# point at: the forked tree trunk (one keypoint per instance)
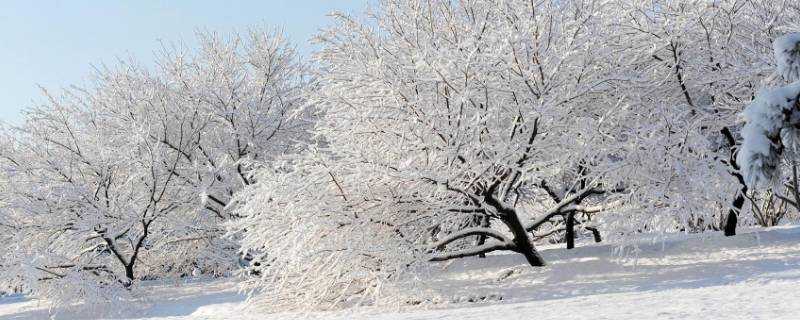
(129, 272)
(522, 242)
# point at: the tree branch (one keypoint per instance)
(484, 249)
(477, 231)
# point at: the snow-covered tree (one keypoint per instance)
(694, 65)
(448, 130)
(80, 211)
(243, 95)
(441, 130)
(455, 129)
(130, 178)
(772, 130)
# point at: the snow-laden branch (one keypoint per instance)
(474, 251)
(477, 231)
(559, 208)
(772, 122)
(592, 208)
(787, 55)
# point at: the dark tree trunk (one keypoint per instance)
(522, 242)
(731, 220)
(129, 272)
(729, 224)
(570, 229)
(595, 233)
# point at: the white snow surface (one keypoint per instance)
(754, 275)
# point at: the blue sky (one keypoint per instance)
(54, 43)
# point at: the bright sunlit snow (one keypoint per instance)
(683, 277)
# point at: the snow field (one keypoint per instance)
(755, 275)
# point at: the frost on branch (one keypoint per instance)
(315, 242)
(772, 120)
(787, 55)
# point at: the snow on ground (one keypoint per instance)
(754, 275)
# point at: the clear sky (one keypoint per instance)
(53, 43)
